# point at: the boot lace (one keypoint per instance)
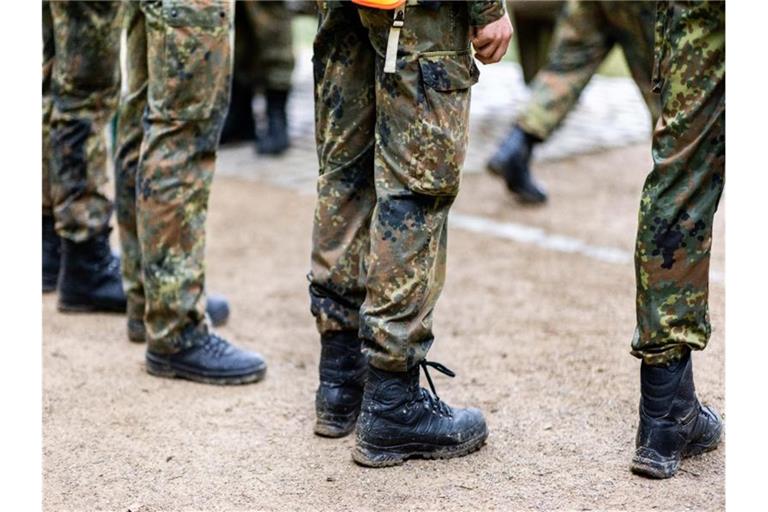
(433, 399)
(215, 344)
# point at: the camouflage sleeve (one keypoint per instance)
(483, 13)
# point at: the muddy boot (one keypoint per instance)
(673, 424)
(400, 420)
(512, 162)
(216, 306)
(51, 254)
(209, 359)
(90, 277)
(240, 125)
(342, 377)
(275, 141)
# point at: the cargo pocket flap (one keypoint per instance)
(448, 72)
(194, 14)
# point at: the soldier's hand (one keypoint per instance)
(491, 41)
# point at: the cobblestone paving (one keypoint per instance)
(610, 114)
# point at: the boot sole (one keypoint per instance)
(372, 456)
(659, 469)
(160, 368)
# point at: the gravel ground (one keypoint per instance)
(539, 339)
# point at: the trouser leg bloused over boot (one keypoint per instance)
(681, 194)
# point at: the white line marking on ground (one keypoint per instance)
(520, 233)
(536, 236)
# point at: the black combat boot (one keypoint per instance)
(342, 377)
(276, 140)
(90, 278)
(216, 306)
(673, 424)
(51, 254)
(400, 420)
(209, 359)
(512, 162)
(240, 125)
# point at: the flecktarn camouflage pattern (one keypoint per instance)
(390, 147)
(682, 192)
(179, 72)
(81, 82)
(585, 33)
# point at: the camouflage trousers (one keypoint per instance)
(81, 85)
(585, 32)
(178, 78)
(682, 191)
(390, 148)
(263, 45)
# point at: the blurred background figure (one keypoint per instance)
(534, 22)
(264, 61)
(81, 82)
(585, 33)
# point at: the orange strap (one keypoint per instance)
(380, 4)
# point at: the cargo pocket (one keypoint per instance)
(191, 69)
(441, 130)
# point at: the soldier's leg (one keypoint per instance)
(272, 22)
(189, 66)
(422, 112)
(129, 134)
(133, 104)
(534, 25)
(421, 127)
(85, 88)
(674, 238)
(632, 23)
(48, 57)
(579, 45)
(345, 118)
(51, 241)
(240, 124)
(274, 45)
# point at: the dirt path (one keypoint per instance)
(539, 339)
